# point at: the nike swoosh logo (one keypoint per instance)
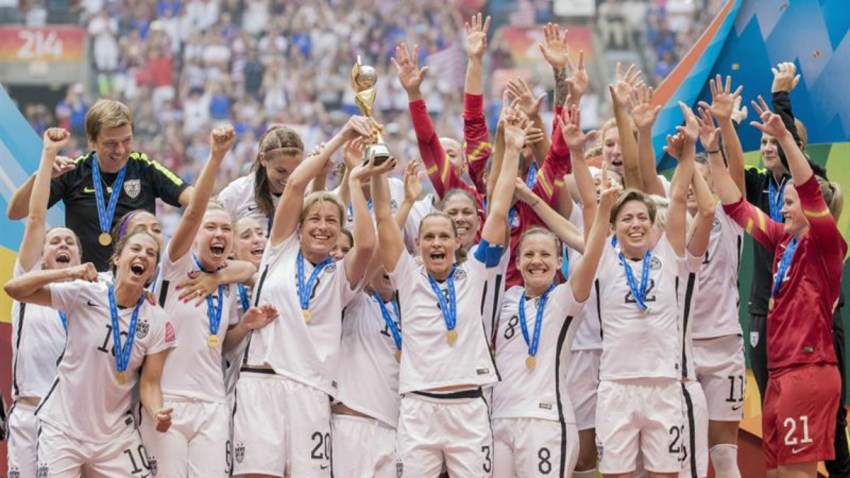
(735, 409)
(90, 303)
(88, 190)
(794, 451)
(324, 467)
(252, 208)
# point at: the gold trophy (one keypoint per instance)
(363, 81)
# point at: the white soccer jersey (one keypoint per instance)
(429, 361)
(238, 199)
(193, 369)
(232, 360)
(538, 392)
(588, 336)
(420, 209)
(85, 401)
(38, 339)
(368, 372)
(494, 292)
(716, 306)
(302, 351)
(396, 198)
(635, 345)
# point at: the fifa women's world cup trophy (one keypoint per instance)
(363, 81)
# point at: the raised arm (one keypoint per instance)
(620, 91)
(564, 229)
(772, 125)
(496, 225)
(357, 260)
(531, 107)
(499, 150)
(682, 147)
(289, 207)
(475, 135)
(32, 243)
(412, 191)
(723, 101)
(32, 287)
(389, 234)
(785, 79)
(221, 140)
(19, 203)
(575, 139)
(583, 273)
(644, 114)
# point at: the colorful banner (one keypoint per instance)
(21, 44)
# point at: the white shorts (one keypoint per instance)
(720, 369)
(363, 447)
(695, 464)
(458, 429)
(61, 456)
(22, 438)
(640, 415)
(280, 428)
(194, 446)
(533, 447)
(582, 380)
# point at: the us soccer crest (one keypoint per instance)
(655, 263)
(715, 225)
(754, 338)
(459, 274)
(142, 329)
(152, 465)
(42, 470)
(132, 188)
(14, 473)
(330, 268)
(239, 452)
(399, 469)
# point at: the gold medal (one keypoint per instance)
(531, 362)
(212, 341)
(770, 304)
(307, 315)
(451, 337)
(398, 356)
(104, 239)
(121, 378)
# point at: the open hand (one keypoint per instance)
(476, 36)
(407, 67)
(258, 317)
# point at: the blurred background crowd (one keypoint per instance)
(185, 66)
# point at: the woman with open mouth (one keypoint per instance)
(192, 382)
(282, 417)
(641, 398)
(38, 333)
(116, 339)
(446, 358)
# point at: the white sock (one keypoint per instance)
(584, 474)
(724, 457)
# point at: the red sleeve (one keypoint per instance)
(440, 173)
(550, 177)
(762, 228)
(476, 139)
(822, 226)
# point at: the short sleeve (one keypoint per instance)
(175, 270)
(65, 295)
(162, 336)
(58, 186)
(228, 197)
(565, 301)
(167, 184)
(273, 253)
(690, 263)
(405, 268)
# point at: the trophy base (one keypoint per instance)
(380, 152)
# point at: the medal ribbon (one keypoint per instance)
(106, 214)
(122, 354)
(449, 309)
(775, 198)
(639, 295)
(243, 297)
(388, 318)
(305, 290)
(565, 261)
(351, 209)
(64, 319)
(213, 311)
(784, 264)
(538, 320)
(529, 181)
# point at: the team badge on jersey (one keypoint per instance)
(142, 329)
(460, 274)
(399, 469)
(152, 466)
(715, 225)
(239, 452)
(133, 187)
(42, 470)
(14, 473)
(330, 268)
(754, 338)
(655, 264)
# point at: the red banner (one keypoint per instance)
(20, 44)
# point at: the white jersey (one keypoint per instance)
(303, 351)
(715, 312)
(429, 361)
(85, 401)
(588, 336)
(538, 392)
(193, 369)
(493, 295)
(634, 345)
(38, 339)
(368, 372)
(232, 360)
(420, 209)
(238, 199)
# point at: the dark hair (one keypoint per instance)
(278, 140)
(455, 192)
(633, 195)
(73, 233)
(460, 252)
(119, 230)
(345, 232)
(119, 248)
